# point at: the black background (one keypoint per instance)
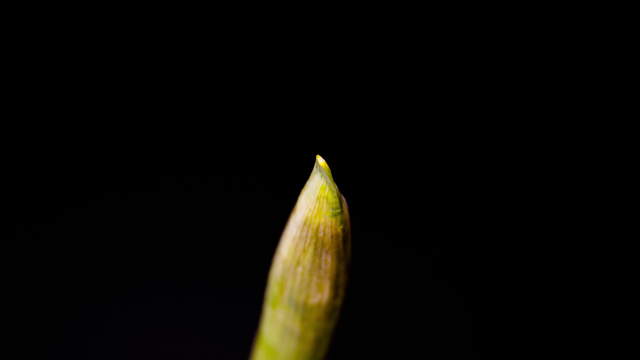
(145, 197)
(129, 257)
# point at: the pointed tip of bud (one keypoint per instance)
(321, 162)
(322, 165)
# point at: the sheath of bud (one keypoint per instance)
(308, 275)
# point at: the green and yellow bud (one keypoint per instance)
(308, 275)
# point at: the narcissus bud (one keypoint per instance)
(307, 280)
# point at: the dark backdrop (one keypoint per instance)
(133, 255)
(154, 240)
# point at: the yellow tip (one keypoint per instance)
(321, 161)
(323, 167)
